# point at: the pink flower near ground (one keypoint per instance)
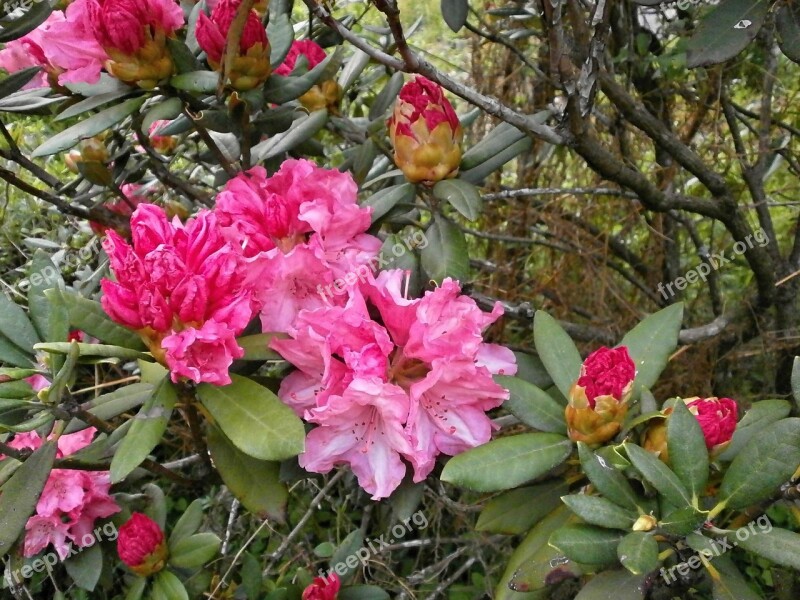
(72, 500)
(184, 288)
(308, 224)
(313, 52)
(323, 588)
(388, 380)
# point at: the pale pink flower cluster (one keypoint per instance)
(72, 44)
(388, 378)
(305, 224)
(71, 502)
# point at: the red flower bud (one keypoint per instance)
(141, 545)
(309, 48)
(598, 401)
(425, 132)
(717, 418)
(323, 588)
(251, 67)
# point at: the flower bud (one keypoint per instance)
(425, 133)
(134, 35)
(645, 523)
(655, 437)
(251, 66)
(165, 144)
(326, 94)
(93, 149)
(323, 588)
(141, 545)
(598, 401)
(717, 418)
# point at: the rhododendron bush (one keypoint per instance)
(280, 350)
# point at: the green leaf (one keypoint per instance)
(766, 462)
(599, 511)
(349, 546)
(496, 141)
(89, 316)
(688, 454)
(113, 404)
(194, 551)
(166, 586)
(659, 475)
(587, 544)
(386, 97)
(557, 351)
(87, 128)
(188, 524)
(386, 199)
(728, 583)
(146, 432)
(11, 354)
(280, 35)
(196, 81)
(455, 13)
(446, 254)
(762, 414)
(91, 103)
(166, 110)
(787, 24)
(614, 584)
(530, 564)
(33, 17)
(85, 567)
(516, 511)
(89, 350)
(301, 129)
(638, 552)
(16, 81)
(21, 493)
(507, 462)
(283, 89)
(682, 521)
(254, 482)
(15, 326)
(651, 343)
(49, 317)
(796, 380)
(462, 196)
(725, 31)
(256, 347)
(254, 419)
(608, 481)
(533, 406)
(136, 591)
(477, 174)
(781, 546)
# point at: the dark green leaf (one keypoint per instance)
(599, 511)
(608, 481)
(15, 326)
(302, 129)
(146, 432)
(455, 13)
(557, 351)
(614, 584)
(196, 81)
(254, 482)
(762, 414)
(687, 449)
(85, 567)
(386, 97)
(89, 127)
(659, 475)
(167, 586)
(462, 196)
(533, 406)
(16, 81)
(516, 511)
(254, 419)
(87, 315)
(446, 254)
(507, 462)
(21, 493)
(766, 462)
(386, 199)
(194, 551)
(726, 31)
(587, 544)
(781, 546)
(787, 22)
(638, 552)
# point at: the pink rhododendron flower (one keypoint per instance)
(323, 588)
(388, 379)
(306, 221)
(125, 25)
(213, 31)
(184, 288)
(71, 502)
(312, 51)
(717, 418)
